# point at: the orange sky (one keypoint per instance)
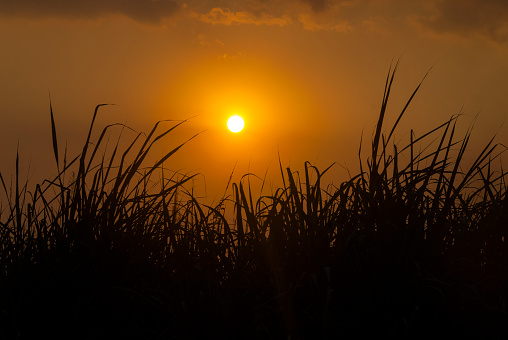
(306, 75)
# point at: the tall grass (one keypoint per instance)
(413, 244)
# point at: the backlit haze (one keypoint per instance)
(307, 77)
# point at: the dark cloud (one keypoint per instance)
(317, 5)
(141, 10)
(468, 17)
(488, 18)
(271, 7)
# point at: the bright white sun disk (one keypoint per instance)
(235, 123)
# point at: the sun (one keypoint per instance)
(235, 123)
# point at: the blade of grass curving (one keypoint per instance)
(47, 205)
(99, 141)
(122, 178)
(387, 160)
(487, 183)
(442, 173)
(360, 161)
(455, 171)
(169, 219)
(149, 142)
(263, 182)
(80, 187)
(249, 213)
(396, 186)
(166, 191)
(92, 201)
(53, 134)
(294, 194)
(425, 135)
(239, 220)
(405, 107)
(17, 206)
(110, 165)
(143, 153)
(169, 154)
(281, 171)
(436, 153)
(308, 188)
(250, 196)
(5, 190)
(346, 186)
(477, 164)
(317, 187)
(375, 142)
(51, 183)
(202, 216)
(418, 159)
(121, 174)
(85, 147)
(412, 160)
(229, 180)
(227, 229)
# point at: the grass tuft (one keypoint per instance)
(115, 246)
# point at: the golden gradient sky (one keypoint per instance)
(307, 75)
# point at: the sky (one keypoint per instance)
(306, 75)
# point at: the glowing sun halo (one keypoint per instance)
(235, 123)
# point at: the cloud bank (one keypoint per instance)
(140, 10)
(487, 18)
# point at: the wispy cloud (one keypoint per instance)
(220, 16)
(310, 23)
(314, 15)
(231, 57)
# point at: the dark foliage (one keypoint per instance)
(411, 249)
